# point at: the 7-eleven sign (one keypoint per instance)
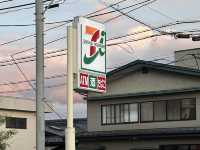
(91, 55)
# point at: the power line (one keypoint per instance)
(31, 60)
(88, 15)
(161, 13)
(24, 59)
(33, 56)
(5, 1)
(159, 27)
(30, 84)
(22, 73)
(31, 35)
(45, 44)
(33, 80)
(136, 19)
(22, 5)
(16, 10)
(29, 89)
(92, 13)
(147, 2)
(135, 40)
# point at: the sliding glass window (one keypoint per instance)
(119, 113)
(168, 110)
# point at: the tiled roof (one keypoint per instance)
(135, 65)
(141, 133)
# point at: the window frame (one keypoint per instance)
(139, 112)
(121, 105)
(168, 100)
(16, 126)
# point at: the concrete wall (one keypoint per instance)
(25, 139)
(185, 59)
(94, 114)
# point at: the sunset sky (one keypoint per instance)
(158, 13)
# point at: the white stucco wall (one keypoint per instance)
(25, 139)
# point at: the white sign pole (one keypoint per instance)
(70, 131)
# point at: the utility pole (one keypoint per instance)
(40, 124)
(70, 131)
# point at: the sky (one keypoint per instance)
(158, 13)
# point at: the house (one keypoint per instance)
(55, 135)
(147, 106)
(20, 116)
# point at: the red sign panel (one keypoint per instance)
(93, 82)
(101, 83)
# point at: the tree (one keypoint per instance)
(5, 135)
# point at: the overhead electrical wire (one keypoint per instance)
(135, 40)
(28, 58)
(30, 84)
(5, 1)
(92, 13)
(89, 15)
(144, 3)
(29, 89)
(33, 59)
(16, 10)
(161, 13)
(18, 65)
(113, 38)
(31, 35)
(136, 19)
(22, 5)
(33, 80)
(32, 56)
(158, 27)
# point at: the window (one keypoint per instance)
(173, 110)
(16, 123)
(108, 117)
(112, 115)
(168, 110)
(160, 111)
(188, 109)
(126, 113)
(147, 111)
(133, 112)
(104, 114)
(119, 113)
(155, 111)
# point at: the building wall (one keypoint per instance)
(25, 139)
(137, 82)
(94, 114)
(154, 80)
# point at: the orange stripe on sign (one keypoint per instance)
(90, 30)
